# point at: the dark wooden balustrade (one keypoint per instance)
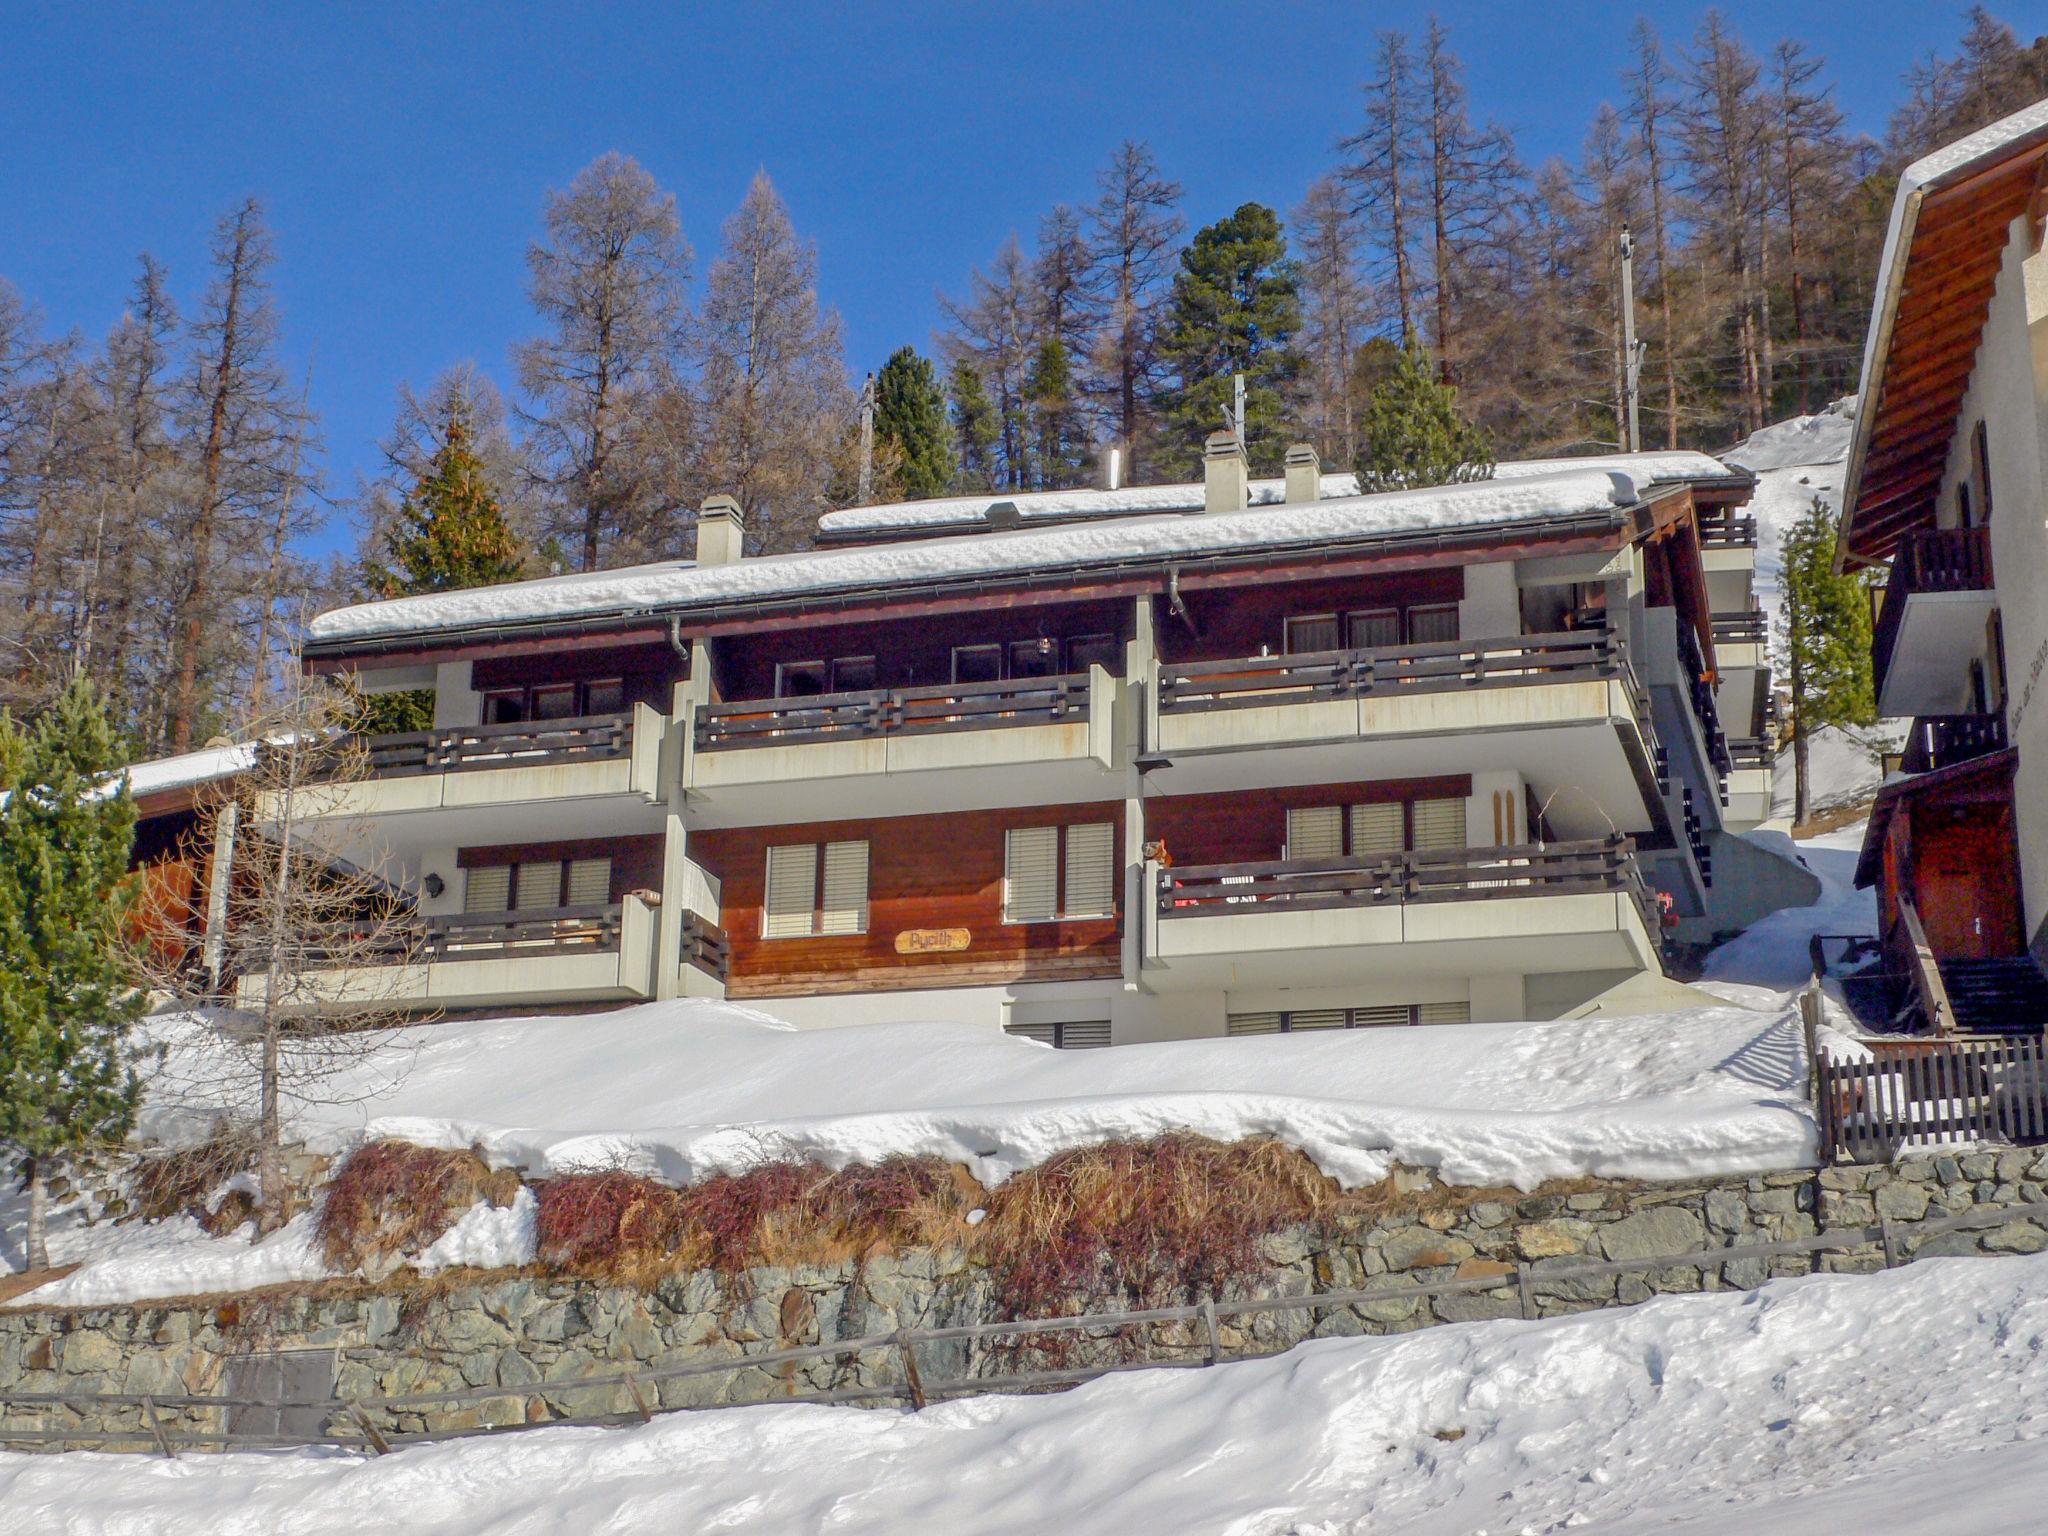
(705, 945)
(1932, 560)
(1749, 627)
(1941, 741)
(892, 711)
(1725, 530)
(524, 744)
(480, 936)
(1422, 875)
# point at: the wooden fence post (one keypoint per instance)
(1524, 1291)
(913, 1380)
(370, 1431)
(1209, 1323)
(156, 1429)
(639, 1399)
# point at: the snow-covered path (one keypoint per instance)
(1773, 953)
(1908, 1402)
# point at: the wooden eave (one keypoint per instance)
(1979, 778)
(1954, 248)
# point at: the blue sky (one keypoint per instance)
(404, 150)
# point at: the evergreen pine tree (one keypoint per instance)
(1414, 435)
(910, 411)
(67, 998)
(975, 427)
(1059, 438)
(450, 533)
(1234, 308)
(1825, 628)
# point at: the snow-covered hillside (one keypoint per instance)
(1907, 1403)
(1794, 461)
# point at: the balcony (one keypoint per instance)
(1456, 912)
(1942, 741)
(541, 955)
(1561, 709)
(1747, 799)
(1724, 529)
(1739, 638)
(900, 751)
(495, 766)
(1931, 624)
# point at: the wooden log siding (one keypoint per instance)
(1932, 1093)
(883, 711)
(525, 744)
(1420, 875)
(1441, 667)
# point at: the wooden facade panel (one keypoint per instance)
(925, 874)
(1241, 828)
(1238, 620)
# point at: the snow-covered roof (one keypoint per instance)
(190, 769)
(1656, 467)
(676, 587)
(1127, 501)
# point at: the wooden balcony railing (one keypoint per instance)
(1941, 741)
(1700, 691)
(887, 711)
(526, 744)
(1746, 628)
(1444, 666)
(705, 945)
(483, 935)
(1452, 874)
(1750, 752)
(1932, 560)
(1724, 530)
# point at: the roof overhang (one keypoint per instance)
(1950, 225)
(1990, 775)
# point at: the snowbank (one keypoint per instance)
(177, 1258)
(1906, 1402)
(1793, 461)
(685, 1089)
(1773, 953)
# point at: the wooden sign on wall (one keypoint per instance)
(932, 941)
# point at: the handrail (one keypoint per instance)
(1727, 532)
(472, 935)
(1941, 741)
(881, 711)
(1927, 984)
(457, 748)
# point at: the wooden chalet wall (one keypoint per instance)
(924, 872)
(1251, 826)
(170, 865)
(1236, 620)
(907, 651)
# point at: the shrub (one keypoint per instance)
(393, 1197)
(166, 1184)
(612, 1225)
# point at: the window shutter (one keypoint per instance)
(487, 889)
(1317, 632)
(1252, 1024)
(1439, 823)
(537, 885)
(1315, 832)
(1031, 862)
(1091, 871)
(1433, 625)
(1444, 1013)
(1373, 628)
(791, 899)
(1043, 1033)
(1315, 1018)
(846, 889)
(1376, 829)
(590, 882)
(1380, 1017)
(1083, 1035)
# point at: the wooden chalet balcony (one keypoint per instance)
(1727, 530)
(902, 750)
(1559, 708)
(1749, 628)
(1942, 741)
(1533, 909)
(1932, 619)
(485, 766)
(538, 955)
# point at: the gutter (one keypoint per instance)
(834, 601)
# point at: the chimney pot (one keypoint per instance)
(1304, 474)
(721, 531)
(1226, 479)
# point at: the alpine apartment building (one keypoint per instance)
(1096, 766)
(1948, 485)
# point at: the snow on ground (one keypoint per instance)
(1907, 1402)
(1793, 461)
(176, 1258)
(1844, 766)
(1773, 953)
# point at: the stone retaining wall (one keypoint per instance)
(533, 1335)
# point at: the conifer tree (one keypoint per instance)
(910, 412)
(1825, 629)
(1414, 435)
(1235, 308)
(67, 997)
(1059, 437)
(975, 427)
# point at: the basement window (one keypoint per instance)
(1077, 1035)
(301, 1379)
(1378, 1016)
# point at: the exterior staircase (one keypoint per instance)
(1997, 997)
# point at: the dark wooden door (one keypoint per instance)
(1968, 886)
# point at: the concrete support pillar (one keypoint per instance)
(456, 702)
(1492, 605)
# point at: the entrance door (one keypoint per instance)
(1968, 887)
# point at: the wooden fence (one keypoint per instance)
(353, 1424)
(1929, 1093)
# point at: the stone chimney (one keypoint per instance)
(1304, 475)
(1226, 479)
(721, 531)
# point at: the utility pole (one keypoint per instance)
(867, 440)
(1632, 350)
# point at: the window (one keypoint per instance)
(1980, 471)
(1374, 829)
(1055, 873)
(1034, 658)
(1315, 832)
(1085, 651)
(1437, 824)
(1379, 1016)
(815, 889)
(557, 701)
(1370, 628)
(554, 701)
(977, 663)
(604, 698)
(1079, 1035)
(1310, 633)
(854, 674)
(537, 884)
(1432, 625)
(588, 883)
(799, 679)
(487, 889)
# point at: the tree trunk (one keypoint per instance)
(37, 1245)
(1795, 647)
